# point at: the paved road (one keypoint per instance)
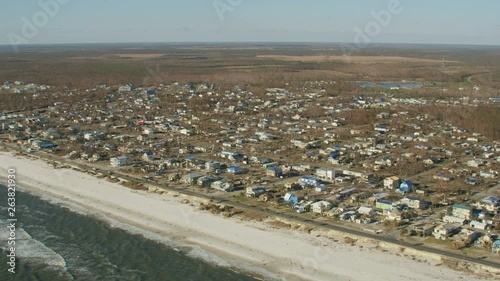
(268, 212)
(489, 192)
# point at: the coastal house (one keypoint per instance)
(405, 187)
(487, 175)
(320, 188)
(222, 185)
(475, 163)
(274, 172)
(443, 177)
(490, 204)
(495, 247)
(444, 231)
(302, 206)
(393, 215)
(384, 205)
(462, 211)
(321, 206)
(148, 156)
(452, 219)
(326, 174)
(478, 225)
(235, 170)
(290, 198)
(309, 181)
(126, 88)
(52, 134)
(206, 181)
(365, 211)
(391, 182)
(213, 166)
(412, 202)
(255, 191)
(119, 161)
(191, 178)
(423, 229)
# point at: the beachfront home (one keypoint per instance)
(302, 206)
(290, 198)
(222, 185)
(495, 247)
(119, 161)
(206, 181)
(445, 231)
(423, 229)
(255, 191)
(191, 178)
(321, 206)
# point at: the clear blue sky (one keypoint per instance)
(91, 21)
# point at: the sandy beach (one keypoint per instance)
(277, 254)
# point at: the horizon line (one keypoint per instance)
(252, 42)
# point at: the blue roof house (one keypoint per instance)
(495, 247)
(235, 170)
(309, 181)
(290, 198)
(405, 187)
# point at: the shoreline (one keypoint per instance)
(248, 246)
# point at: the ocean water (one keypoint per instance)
(55, 243)
(388, 85)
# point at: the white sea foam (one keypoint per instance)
(194, 251)
(32, 249)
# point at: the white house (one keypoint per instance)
(119, 161)
(326, 173)
(478, 225)
(451, 219)
(255, 191)
(392, 182)
(321, 206)
(365, 211)
(126, 88)
(444, 231)
(148, 156)
(412, 202)
(475, 163)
